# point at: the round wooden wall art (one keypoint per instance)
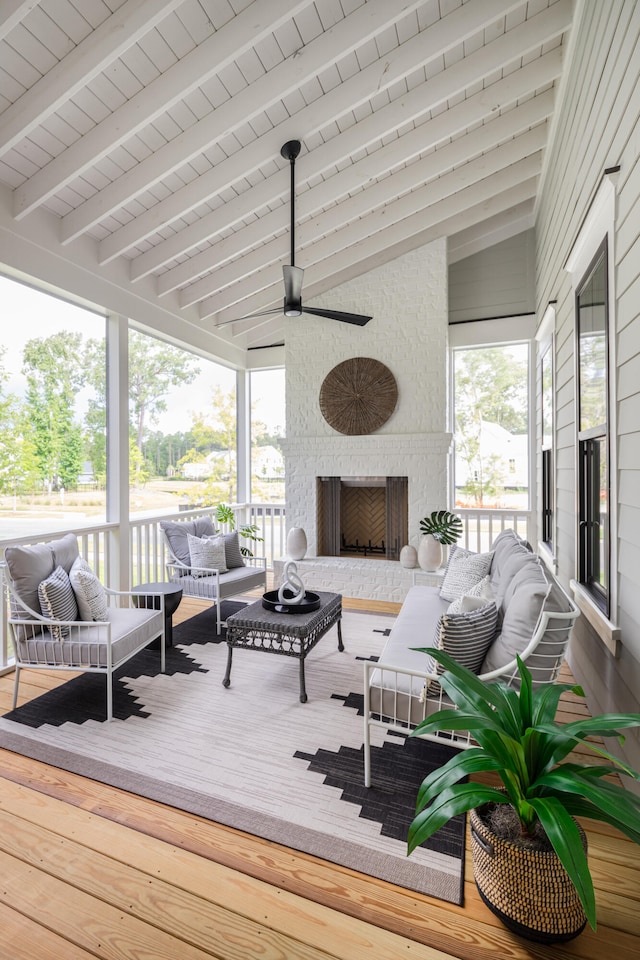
(358, 396)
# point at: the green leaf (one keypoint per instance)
(463, 764)
(455, 800)
(565, 838)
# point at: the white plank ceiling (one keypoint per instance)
(147, 134)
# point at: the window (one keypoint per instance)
(593, 429)
(267, 433)
(492, 427)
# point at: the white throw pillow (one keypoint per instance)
(464, 571)
(207, 554)
(466, 637)
(477, 597)
(90, 594)
(57, 601)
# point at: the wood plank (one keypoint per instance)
(21, 938)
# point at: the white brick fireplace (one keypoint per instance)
(408, 333)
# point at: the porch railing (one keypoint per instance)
(147, 555)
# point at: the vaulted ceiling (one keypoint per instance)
(143, 138)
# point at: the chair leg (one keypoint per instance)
(109, 695)
(15, 687)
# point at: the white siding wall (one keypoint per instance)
(597, 129)
(497, 282)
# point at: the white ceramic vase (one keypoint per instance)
(430, 553)
(409, 557)
(296, 543)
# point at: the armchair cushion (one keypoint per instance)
(177, 533)
(206, 554)
(90, 594)
(58, 601)
(28, 566)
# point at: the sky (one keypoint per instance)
(27, 313)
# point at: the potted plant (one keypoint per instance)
(439, 528)
(538, 881)
(225, 514)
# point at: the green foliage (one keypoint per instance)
(54, 377)
(250, 531)
(519, 739)
(443, 526)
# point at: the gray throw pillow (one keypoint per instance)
(464, 636)
(90, 594)
(232, 552)
(477, 596)
(58, 601)
(464, 570)
(206, 554)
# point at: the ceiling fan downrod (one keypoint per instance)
(290, 150)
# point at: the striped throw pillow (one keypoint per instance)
(464, 636)
(58, 601)
(90, 594)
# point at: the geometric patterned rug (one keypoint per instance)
(252, 756)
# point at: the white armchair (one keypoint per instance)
(213, 583)
(66, 636)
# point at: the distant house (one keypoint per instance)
(203, 469)
(501, 452)
(267, 463)
(87, 478)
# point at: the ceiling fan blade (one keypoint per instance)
(357, 318)
(292, 283)
(250, 316)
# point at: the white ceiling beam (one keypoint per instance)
(321, 53)
(424, 206)
(435, 165)
(389, 247)
(12, 12)
(105, 44)
(378, 76)
(358, 175)
(435, 92)
(232, 40)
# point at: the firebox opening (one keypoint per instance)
(362, 516)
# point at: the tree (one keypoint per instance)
(54, 376)
(490, 387)
(217, 431)
(154, 367)
(18, 467)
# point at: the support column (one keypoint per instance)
(118, 572)
(243, 435)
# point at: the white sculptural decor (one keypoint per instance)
(292, 583)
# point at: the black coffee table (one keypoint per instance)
(172, 597)
(287, 634)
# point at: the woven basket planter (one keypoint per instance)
(529, 890)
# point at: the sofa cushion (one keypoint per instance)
(527, 594)
(464, 570)
(206, 554)
(58, 601)
(177, 533)
(464, 636)
(90, 594)
(506, 546)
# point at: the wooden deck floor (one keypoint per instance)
(91, 872)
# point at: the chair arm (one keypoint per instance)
(256, 561)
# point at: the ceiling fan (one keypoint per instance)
(293, 275)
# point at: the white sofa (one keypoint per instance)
(529, 615)
(92, 630)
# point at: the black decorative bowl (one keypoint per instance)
(270, 602)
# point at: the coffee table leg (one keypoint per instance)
(340, 643)
(303, 690)
(227, 677)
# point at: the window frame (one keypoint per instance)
(591, 558)
(545, 337)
